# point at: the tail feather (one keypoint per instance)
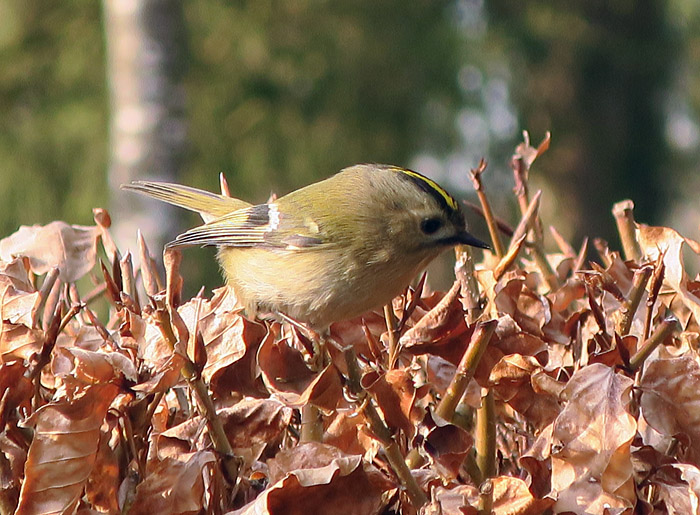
(208, 205)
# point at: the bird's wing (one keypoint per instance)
(254, 226)
(209, 205)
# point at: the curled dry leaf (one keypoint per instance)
(592, 466)
(448, 445)
(317, 478)
(160, 367)
(103, 483)
(70, 248)
(17, 341)
(670, 398)
(508, 339)
(347, 432)
(250, 424)
(396, 395)
(662, 241)
(285, 373)
(528, 309)
(513, 380)
(510, 496)
(442, 321)
(18, 306)
(174, 485)
(16, 389)
(230, 340)
(676, 488)
(62, 454)
(92, 366)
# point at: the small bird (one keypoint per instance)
(329, 251)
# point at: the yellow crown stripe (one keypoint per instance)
(433, 185)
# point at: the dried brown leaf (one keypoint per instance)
(593, 466)
(17, 341)
(509, 339)
(251, 425)
(512, 381)
(70, 248)
(437, 323)
(511, 496)
(396, 395)
(662, 241)
(17, 306)
(16, 390)
(670, 397)
(345, 431)
(230, 340)
(317, 478)
(62, 453)
(286, 374)
(92, 366)
(528, 309)
(455, 500)
(677, 488)
(103, 483)
(174, 486)
(448, 445)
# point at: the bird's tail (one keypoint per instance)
(208, 205)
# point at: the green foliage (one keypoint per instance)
(53, 126)
(283, 93)
(596, 74)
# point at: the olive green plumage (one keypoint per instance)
(328, 251)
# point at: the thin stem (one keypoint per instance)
(230, 461)
(486, 207)
(662, 331)
(486, 436)
(630, 305)
(311, 424)
(382, 432)
(392, 333)
(624, 218)
(465, 370)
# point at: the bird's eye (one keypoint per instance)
(430, 225)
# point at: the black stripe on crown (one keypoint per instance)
(446, 201)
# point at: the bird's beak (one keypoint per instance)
(467, 239)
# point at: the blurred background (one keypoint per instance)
(277, 94)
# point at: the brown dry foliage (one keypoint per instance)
(97, 416)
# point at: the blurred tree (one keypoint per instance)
(145, 66)
(596, 74)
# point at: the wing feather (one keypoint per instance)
(254, 226)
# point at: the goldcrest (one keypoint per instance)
(329, 251)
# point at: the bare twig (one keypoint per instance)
(624, 218)
(630, 304)
(657, 280)
(392, 334)
(485, 441)
(381, 431)
(663, 330)
(465, 370)
(468, 285)
(486, 206)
